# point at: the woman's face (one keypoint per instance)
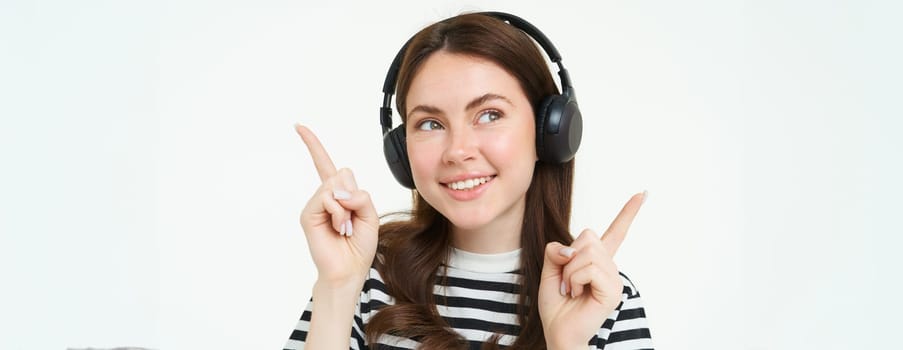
(470, 140)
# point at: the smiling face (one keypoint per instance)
(471, 142)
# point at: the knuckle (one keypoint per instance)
(568, 270)
(596, 249)
(325, 195)
(331, 182)
(574, 278)
(597, 270)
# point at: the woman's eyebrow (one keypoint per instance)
(470, 105)
(425, 109)
(486, 98)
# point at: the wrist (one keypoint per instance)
(552, 344)
(563, 344)
(337, 293)
(332, 315)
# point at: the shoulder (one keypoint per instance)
(632, 306)
(630, 289)
(374, 281)
(626, 328)
(374, 295)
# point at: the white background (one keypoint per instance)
(151, 181)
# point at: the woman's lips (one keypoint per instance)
(471, 193)
(467, 183)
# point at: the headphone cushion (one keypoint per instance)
(541, 120)
(559, 129)
(548, 123)
(396, 152)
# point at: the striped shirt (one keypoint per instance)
(478, 299)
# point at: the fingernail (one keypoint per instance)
(567, 251)
(564, 290)
(342, 230)
(341, 195)
(645, 196)
(573, 293)
(348, 225)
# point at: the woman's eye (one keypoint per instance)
(428, 125)
(488, 117)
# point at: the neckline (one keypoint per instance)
(486, 263)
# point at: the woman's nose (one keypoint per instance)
(462, 145)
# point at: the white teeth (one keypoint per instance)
(468, 184)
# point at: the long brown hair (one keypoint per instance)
(411, 251)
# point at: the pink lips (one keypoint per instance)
(470, 194)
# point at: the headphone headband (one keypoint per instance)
(515, 21)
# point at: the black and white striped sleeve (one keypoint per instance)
(626, 328)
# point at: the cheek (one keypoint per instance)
(515, 145)
(512, 152)
(423, 159)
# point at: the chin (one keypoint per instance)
(467, 220)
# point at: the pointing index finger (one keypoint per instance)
(321, 159)
(619, 226)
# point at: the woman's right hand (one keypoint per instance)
(339, 221)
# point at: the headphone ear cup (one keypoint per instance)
(396, 151)
(541, 123)
(559, 129)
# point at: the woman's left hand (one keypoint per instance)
(580, 285)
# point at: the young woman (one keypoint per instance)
(485, 258)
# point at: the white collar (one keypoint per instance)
(487, 263)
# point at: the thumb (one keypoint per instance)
(556, 256)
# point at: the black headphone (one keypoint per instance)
(559, 126)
